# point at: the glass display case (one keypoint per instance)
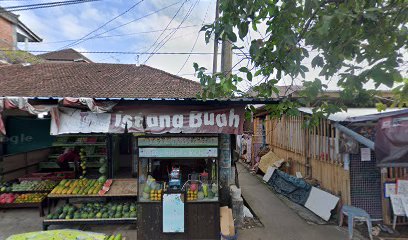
(196, 178)
(187, 165)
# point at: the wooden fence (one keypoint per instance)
(314, 152)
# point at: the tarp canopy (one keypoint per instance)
(391, 141)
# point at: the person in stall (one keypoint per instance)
(69, 155)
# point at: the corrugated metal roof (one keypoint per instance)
(359, 114)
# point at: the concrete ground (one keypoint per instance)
(280, 222)
(15, 221)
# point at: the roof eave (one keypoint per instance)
(34, 37)
(191, 100)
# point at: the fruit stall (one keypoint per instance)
(92, 149)
(25, 194)
(178, 182)
(102, 201)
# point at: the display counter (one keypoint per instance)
(178, 186)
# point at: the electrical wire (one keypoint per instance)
(47, 6)
(103, 25)
(170, 35)
(42, 4)
(119, 52)
(116, 35)
(167, 26)
(195, 42)
(127, 23)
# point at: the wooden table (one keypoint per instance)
(119, 188)
(39, 205)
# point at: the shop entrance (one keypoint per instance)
(123, 159)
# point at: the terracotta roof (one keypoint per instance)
(65, 55)
(95, 80)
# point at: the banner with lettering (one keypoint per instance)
(151, 119)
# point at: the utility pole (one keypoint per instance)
(226, 57)
(225, 170)
(215, 56)
(226, 50)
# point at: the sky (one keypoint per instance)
(58, 24)
(61, 26)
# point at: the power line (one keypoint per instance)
(41, 4)
(103, 25)
(120, 52)
(170, 35)
(116, 35)
(127, 23)
(195, 42)
(45, 5)
(174, 16)
(181, 36)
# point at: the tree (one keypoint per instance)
(356, 41)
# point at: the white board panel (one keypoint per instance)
(173, 213)
(177, 141)
(321, 203)
(402, 187)
(177, 152)
(397, 207)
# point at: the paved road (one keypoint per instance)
(281, 222)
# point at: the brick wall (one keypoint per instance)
(6, 34)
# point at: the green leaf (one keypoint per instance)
(249, 76)
(243, 69)
(317, 62)
(232, 36)
(324, 27)
(243, 30)
(381, 106)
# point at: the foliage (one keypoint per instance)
(15, 57)
(353, 41)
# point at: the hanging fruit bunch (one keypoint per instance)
(82, 156)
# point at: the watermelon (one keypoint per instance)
(102, 179)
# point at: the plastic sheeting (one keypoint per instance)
(391, 141)
(297, 190)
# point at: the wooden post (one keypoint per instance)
(385, 201)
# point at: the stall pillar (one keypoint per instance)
(224, 168)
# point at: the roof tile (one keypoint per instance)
(95, 80)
